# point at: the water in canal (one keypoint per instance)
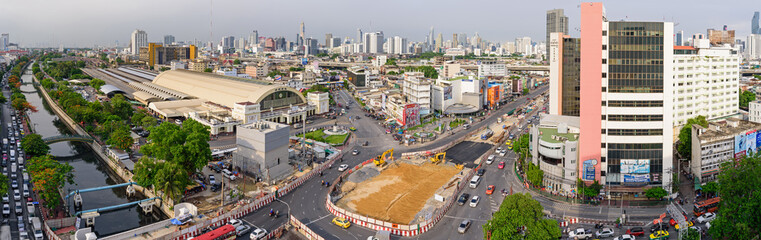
(89, 171)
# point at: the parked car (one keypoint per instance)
(258, 234)
(707, 217)
(6, 210)
(490, 159)
(474, 201)
(464, 225)
(580, 233)
(212, 179)
(625, 237)
(481, 172)
(216, 187)
(604, 233)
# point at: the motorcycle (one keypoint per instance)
(599, 225)
(272, 213)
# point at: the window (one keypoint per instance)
(604, 103)
(605, 33)
(602, 145)
(603, 131)
(604, 75)
(604, 61)
(635, 132)
(602, 159)
(604, 89)
(636, 118)
(603, 117)
(604, 47)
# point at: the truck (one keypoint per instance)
(487, 134)
(37, 228)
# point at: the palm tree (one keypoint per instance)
(171, 180)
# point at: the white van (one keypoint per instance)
(226, 173)
(475, 181)
(13, 153)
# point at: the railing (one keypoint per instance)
(304, 229)
(61, 138)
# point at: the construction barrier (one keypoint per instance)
(303, 229)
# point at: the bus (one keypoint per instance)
(710, 205)
(226, 232)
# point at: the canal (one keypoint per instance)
(89, 171)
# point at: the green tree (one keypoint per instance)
(187, 146)
(171, 179)
(711, 188)
(208, 70)
(746, 97)
(656, 193)
(592, 190)
(740, 207)
(121, 139)
(525, 91)
(3, 187)
(48, 176)
(120, 107)
(96, 83)
(3, 100)
(685, 135)
(145, 171)
(534, 175)
(521, 217)
(33, 145)
(148, 122)
(692, 234)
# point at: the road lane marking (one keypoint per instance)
(462, 218)
(318, 219)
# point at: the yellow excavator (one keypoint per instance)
(381, 159)
(438, 158)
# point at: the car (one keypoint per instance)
(499, 149)
(341, 222)
(19, 210)
(235, 222)
(673, 221)
(354, 152)
(502, 153)
(6, 210)
(241, 230)
(464, 225)
(26, 192)
(625, 237)
(659, 226)
(481, 172)
(474, 201)
(501, 165)
(604, 233)
(5, 198)
(343, 167)
(216, 187)
(489, 189)
(635, 231)
(258, 234)
(365, 143)
(14, 183)
(463, 198)
(689, 224)
(707, 217)
(580, 233)
(659, 235)
(490, 159)
(16, 195)
(212, 179)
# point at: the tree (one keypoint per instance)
(711, 188)
(534, 175)
(3, 100)
(3, 187)
(656, 193)
(33, 145)
(120, 107)
(96, 83)
(188, 146)
(48, 176)
(145, 171)
(592, 190)
(740, 207)
(692, 234)
(121, 139)
(148, 121)
(171, 179)
(22, 105)
(208, 70)
(745, 98)
(521, 217)
(525, 91)
(685, 135)
(236, 61)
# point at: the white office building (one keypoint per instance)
(706, 81)
(753, 47)
(491, 68)
(138, 39)
(262, 150)
(417, 89)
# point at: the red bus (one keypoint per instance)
(226, 232)
(710, 205)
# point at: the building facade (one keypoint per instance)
(565, 59)
(554, 149)
(154, 54)
(721, 142)
(262, 150)
(556, 22)
(491, 68)
(320, 100)
(138, 39)
(417, 89)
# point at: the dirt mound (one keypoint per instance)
(399, 192)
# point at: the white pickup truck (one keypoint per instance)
(581, 233)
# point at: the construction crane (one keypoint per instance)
(438, 158)
(381, 159)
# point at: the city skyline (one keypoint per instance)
(104, 26)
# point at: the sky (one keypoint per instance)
(86, 23)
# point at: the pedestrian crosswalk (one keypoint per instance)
(493, 205)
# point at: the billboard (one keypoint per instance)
(447, 93)
(588, 170)
(639, 166)
(304, 61)
(411, 115)
(636, 178)
(493, 95)
(745, 143)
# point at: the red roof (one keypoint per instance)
(684, 48)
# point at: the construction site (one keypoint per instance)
(403, 191)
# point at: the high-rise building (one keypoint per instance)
(430, 40)
(462, 39)
(626, 90)
(565, 58)
(523, 45)
(138, 39)
(334, 42)
(359, 36)
(168, 39)
(455, 42)
(328, 38)
(439, 42)
(678, 38)
(373, 42)
(753, 47)
(303, 30)
(556, 22)
(400, 45)
(4, 41)
(253, 38)
(228, 44)
(754, 28)
(156, 54)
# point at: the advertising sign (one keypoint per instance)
(447, 93)
(745, 143)
(304, 61)
(411, 115)
(640, 166)
(493, 95)
(636, 178)
(588, 171)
